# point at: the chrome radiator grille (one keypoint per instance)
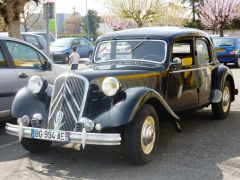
(68, 99)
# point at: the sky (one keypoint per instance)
(66, 6)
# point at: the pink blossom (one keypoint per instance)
(117, 23)
(215, 14)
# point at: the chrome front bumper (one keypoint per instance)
(74, 137)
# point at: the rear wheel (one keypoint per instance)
(35, 146)
(141, 136)
(221, 109)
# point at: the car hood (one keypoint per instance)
(128, 77)
(57, 48)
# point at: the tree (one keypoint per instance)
(117, 23)
(93, 20)
(140, 11)
(31, 15)
(217, 14)
(3, 26)
(197, 24)
(194, 4)
(174, 14)
(10, 10)
(73, 23)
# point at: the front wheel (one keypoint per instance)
(221, 109)
(35, 146)
(141, 136)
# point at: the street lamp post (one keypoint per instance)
(88, 28)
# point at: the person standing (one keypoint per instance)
(74, 58)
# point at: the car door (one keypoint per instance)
(9, 85)
(28, 62)
(182, 81)
(84, 51)
(205, 68)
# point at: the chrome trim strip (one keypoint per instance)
(185, 70)
(50, 109)
(84, 95)
(165, 55)
(57, 95)
(75, 137)
(54, 108)
(74, 100)
(70, 108)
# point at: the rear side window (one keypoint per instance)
(32, 40)
(83, 43)
(202, 51)
(23, 55)
(3, 63)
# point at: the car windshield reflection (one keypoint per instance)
(136, 50)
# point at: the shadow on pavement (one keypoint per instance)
(196, 153)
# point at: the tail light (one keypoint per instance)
(234, 52)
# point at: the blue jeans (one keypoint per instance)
(74, 66)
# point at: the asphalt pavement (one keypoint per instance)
(206, 149)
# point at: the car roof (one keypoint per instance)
(156, 32)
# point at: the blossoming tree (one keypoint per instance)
(216, 14)
(117, 23)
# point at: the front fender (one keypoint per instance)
(222, 74)
(124, 110)
(25, 103)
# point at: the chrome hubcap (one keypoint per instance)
(148, 135)
(226, 99)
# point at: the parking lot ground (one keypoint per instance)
(206, 149)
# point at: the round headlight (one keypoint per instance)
(35, 84)
(110, 86)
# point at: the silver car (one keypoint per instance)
(19, 61)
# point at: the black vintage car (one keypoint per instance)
(138, 78)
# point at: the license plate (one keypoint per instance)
(220, 50)
(51, 135)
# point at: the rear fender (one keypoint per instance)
(222, 74)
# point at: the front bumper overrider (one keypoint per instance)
(74, 137)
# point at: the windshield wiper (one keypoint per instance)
(133, 49)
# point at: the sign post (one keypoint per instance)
(49, 13)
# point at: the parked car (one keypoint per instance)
(121, 100)
(44, 34)
(34, 39)
(227, 49)
(19, 61)
(62, 48)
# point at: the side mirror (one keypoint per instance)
(47, 66)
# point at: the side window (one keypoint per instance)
(83, 43)
(75, 43)
(23, 55)
(203, 55)
(32, 40)
(184, 51)
(3, 63)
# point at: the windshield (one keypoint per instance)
(64, 42)
(223, 41)
(140, 50)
